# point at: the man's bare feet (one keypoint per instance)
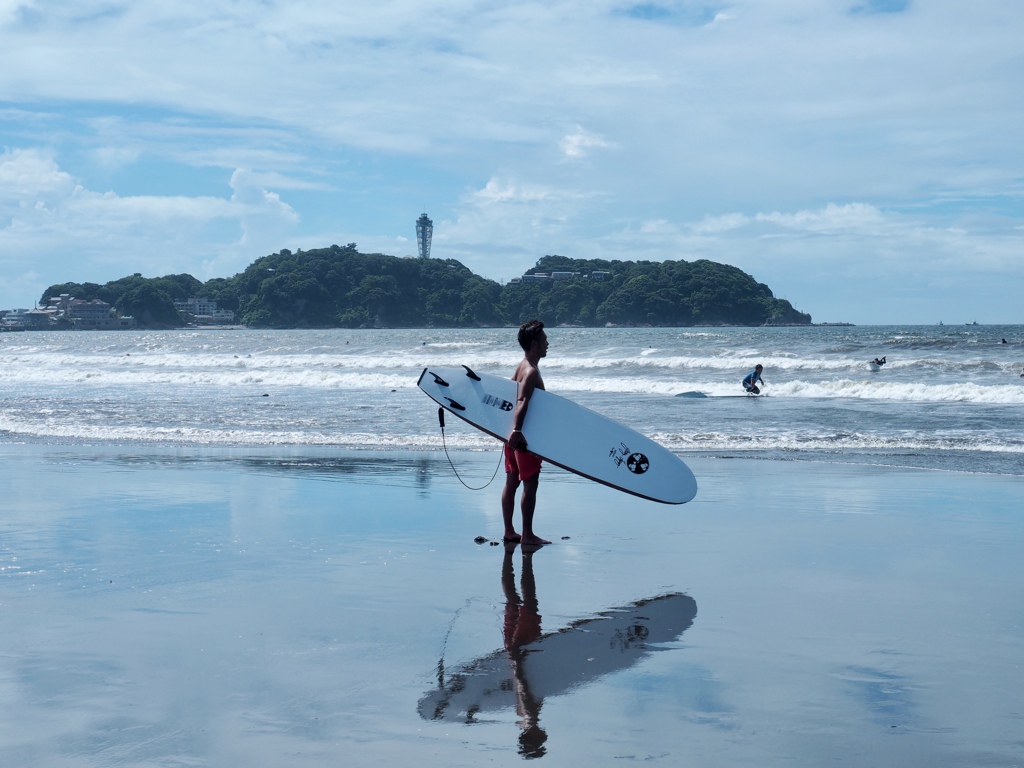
(533, 541)
(513, 536)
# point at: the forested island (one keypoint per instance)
(341, 287)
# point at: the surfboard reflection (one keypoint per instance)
(534, 666)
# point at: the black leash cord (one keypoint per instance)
(440, 419)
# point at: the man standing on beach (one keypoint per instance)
(520, 466)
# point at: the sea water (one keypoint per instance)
(949, 397)
(305, 585)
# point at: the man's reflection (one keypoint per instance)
(533, 666)
(522, 627)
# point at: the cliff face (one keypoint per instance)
(340, 287)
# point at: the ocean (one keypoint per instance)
(245, 547)
(949, 397)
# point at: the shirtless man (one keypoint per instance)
(520, 466)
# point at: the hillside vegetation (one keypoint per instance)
(340, 287)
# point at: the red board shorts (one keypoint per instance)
(521, 463)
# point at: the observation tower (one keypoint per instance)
(424, 234)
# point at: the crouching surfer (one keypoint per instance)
(751, 379)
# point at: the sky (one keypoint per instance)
(863, 158)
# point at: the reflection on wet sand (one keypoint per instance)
(533, 666)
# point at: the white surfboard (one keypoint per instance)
(695, 395)
(565, 434)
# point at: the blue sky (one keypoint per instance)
(864, 158)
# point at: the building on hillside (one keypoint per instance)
(203, 312)
(424, 234)
(95, 315)
(82, 314)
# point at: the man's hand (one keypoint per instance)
(516, 441)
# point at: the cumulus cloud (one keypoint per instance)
(48, 218)
(264, 216)
(29, 177)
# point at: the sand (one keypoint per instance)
(168, 607)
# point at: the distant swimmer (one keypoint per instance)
(751, 379)
(1005, 341)
(878, 362)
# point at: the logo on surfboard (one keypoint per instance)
(497, 402)
(636, 463)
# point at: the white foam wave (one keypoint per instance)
(796, 441)
(917, 391)
(835, 443)
(909, 392)
(70, 431)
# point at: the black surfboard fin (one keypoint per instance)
(438, 380)
(469, 372)
(455, 404)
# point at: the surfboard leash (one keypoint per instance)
(440, 419)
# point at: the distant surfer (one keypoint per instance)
(878, 362)
(751, 379)
(521, 466)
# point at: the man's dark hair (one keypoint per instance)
(529, 331)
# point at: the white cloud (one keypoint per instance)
(28, 176)
(505, 191)
(9, 9)
(50, 220)
(831, 218)
(264, 216)
(576, 144)
(710, 225)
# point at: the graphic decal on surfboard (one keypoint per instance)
(636, 463)
(498, 402)
(565, 434)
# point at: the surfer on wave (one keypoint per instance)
(751, 379)
(521, 466)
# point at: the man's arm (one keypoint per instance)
(529, 383)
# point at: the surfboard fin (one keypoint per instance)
(438, 380)
(455, 404)
(469, 372)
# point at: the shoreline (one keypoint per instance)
(910, 461)
(220, 606)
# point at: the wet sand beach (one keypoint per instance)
(309, 607)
